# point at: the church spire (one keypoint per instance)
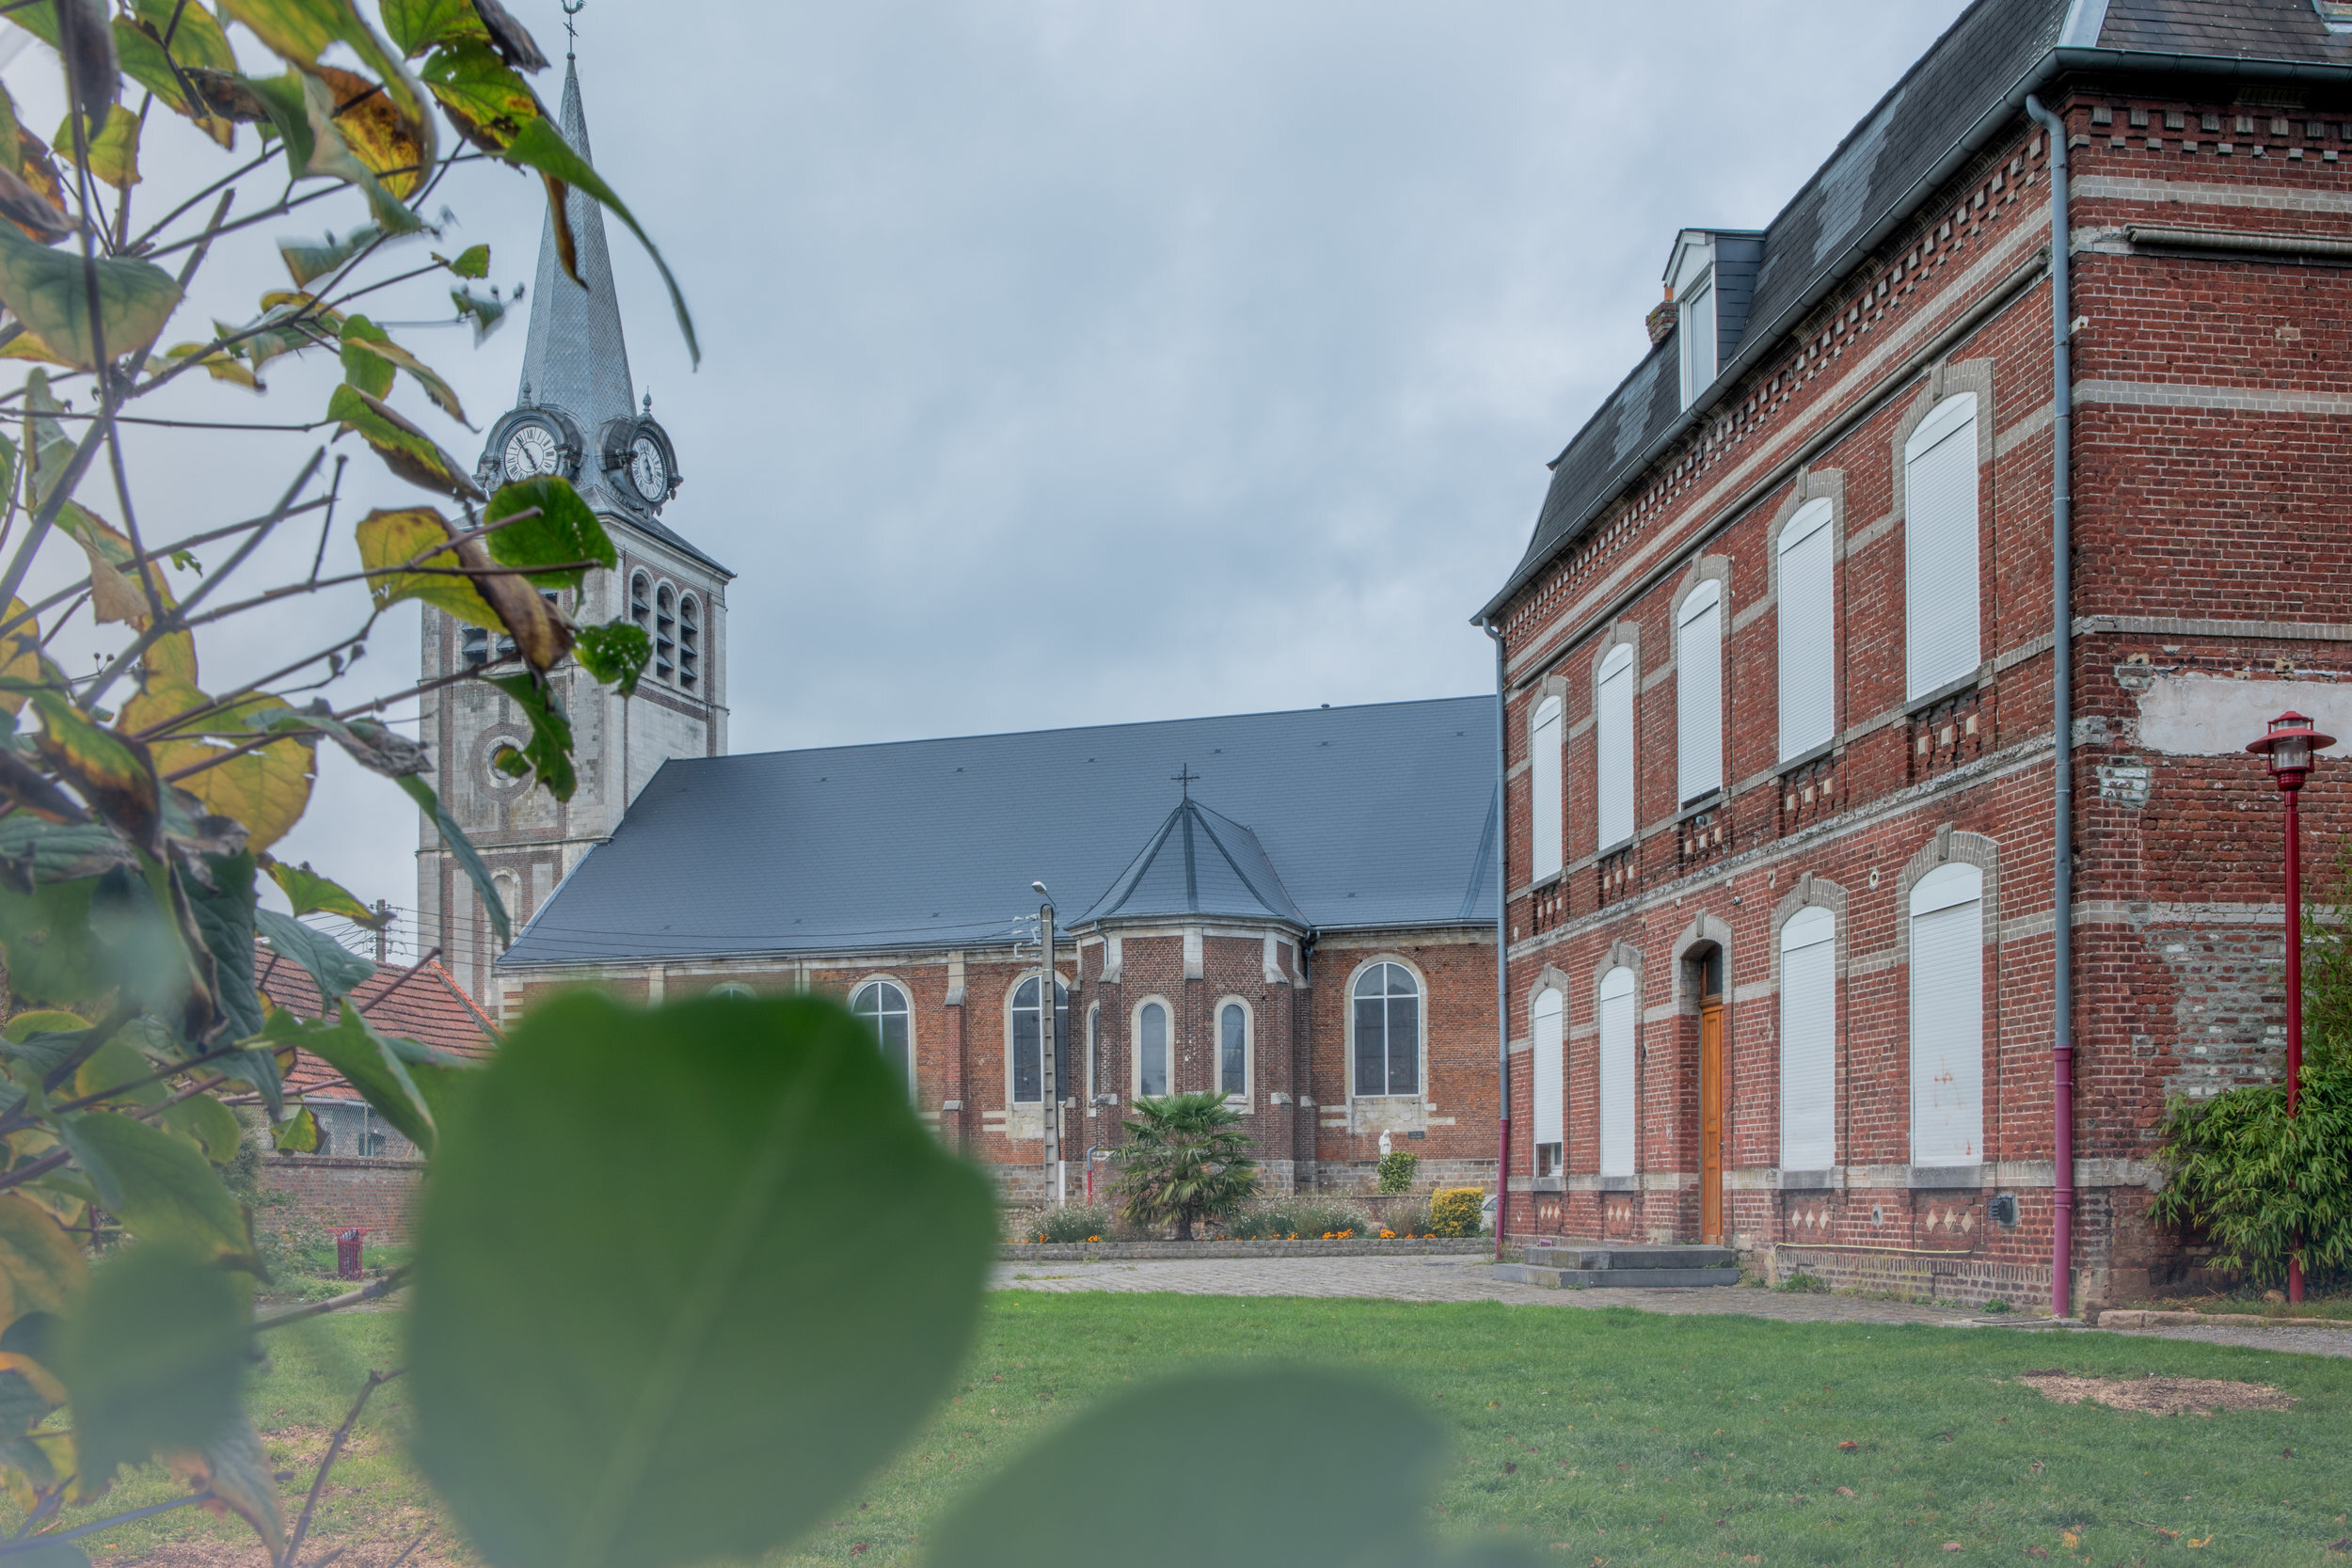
(575, 358)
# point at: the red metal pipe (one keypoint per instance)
(2290, 786)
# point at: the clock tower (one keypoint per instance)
(576, 414)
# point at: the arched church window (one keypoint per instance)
(665, 634)
(1232, 1050)
(1151, 1051)
(1387, 1020)
(641, 602)
(689, 642)
(884, 1009)
(1028, 1064)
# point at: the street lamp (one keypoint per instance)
(2288, 749)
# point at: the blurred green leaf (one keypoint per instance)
(307, 260)
(352, 1047)
(39, 1263)
(112, 1065)
(1250, 1445)
(616, 653)
(224, 917)
(756, 1359)
(297, 1134)
(206, 1123)
(481, 95)
(236, 1468)
(549, 753)
(311, 893)
(114, 153)
(389, 356)
(33, 852)
(487, 315)
(372, 374)
(335, 969)
(472, 261)
(164, 1190)
(564, 529)
(540, 146)
(47, 291)
(195, 32)
(153, 1357)
(454, 839)
(297, 31)
(406, 450)
(418, 25)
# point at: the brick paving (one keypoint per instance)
(1474, 1279)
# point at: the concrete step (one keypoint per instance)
(1618, 1255)
(1620, 1276)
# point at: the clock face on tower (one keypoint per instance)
(648, 470)
(531, 451)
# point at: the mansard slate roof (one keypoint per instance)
(1971, 83)
(1379, 816)
(1199, 863)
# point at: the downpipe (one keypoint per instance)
(1503, 953)
(2061, 721)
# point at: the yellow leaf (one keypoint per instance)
(19, 655)
(391, 538)
(266, 790)
(40, 1266)
(114, 157)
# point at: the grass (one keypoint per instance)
(1614, 1436)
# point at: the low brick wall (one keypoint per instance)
(1088, 1252)
(335, 1191)
(1958, 1278)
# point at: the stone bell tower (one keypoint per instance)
(575, 414)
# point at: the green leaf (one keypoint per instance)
(472, 261)
(418, 25)
(298, 30)
(616, 653)
(235, 1467)
(372, 374)
(406, 450)
(369, 344)
(1250, 1443)
(164, 1190)
(208, 1124)
(112, 1065)
(454, 839)
(566, 530)
(484, 97)
(196, 35)
(334, 968)
(539, 144)
(48, 292)
(40, 1264)
(33, 852)
(311, 893)
(548, 755)
(366, 1059)
(297, 1134)
(224, 916)
(672, 1410)
(114, 153)
(487, 315)
(153, 1357)
(307, 260)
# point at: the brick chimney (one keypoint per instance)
(1661, 320)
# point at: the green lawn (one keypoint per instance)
(1610, 1436)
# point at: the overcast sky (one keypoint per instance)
(1070, 363)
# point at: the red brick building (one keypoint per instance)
(1784, 701)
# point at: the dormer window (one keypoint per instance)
(1691, 275)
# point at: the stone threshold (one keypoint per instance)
(2132, 1317)
(1110, 1251)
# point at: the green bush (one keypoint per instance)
(1455, 1210)
(1406, 1219)
(1074, 1222)
(1799, 1283)
(1307, 1218)
(1396, 1171)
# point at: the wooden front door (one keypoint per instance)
(1711, 1123)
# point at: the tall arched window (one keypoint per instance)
(1388, 1030)
(1151, 1051)
(1233, 1048)
(1808, 1040)
(1028, 1064)
(884, 1009)
(1545, 757)
(1947, 1016)
(689, 642)
(1699, 693)
(665, 633)
(1615, 1000)
(1550, 1083)
(1612, 748)
(1942, 643)
(1094, 1050)
(1808, 632)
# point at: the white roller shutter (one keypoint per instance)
(1940, 548)
(1947, 1016)
(1544, 759)
(1699, 693)
(1616, 1007)
(1808, 633)
(1613, 748)
(1550, 1070)
(1808, 1041)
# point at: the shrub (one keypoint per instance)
(1799, 1283)
(1997, 1306)
(1185, 1160)
(1455, 1210)
(1307, 1218)
(1074, 1222)
(1396, 1171)
(1407, 1219)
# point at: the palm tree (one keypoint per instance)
(1185, 1159)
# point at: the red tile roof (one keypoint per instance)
(423, 1004)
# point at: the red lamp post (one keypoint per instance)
(2288, 750)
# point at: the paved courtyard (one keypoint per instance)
(1459, 1278)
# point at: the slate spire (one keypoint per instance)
(575, 358)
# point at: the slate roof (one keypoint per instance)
(1970, 83)
(1377, 815)
(1199, 863)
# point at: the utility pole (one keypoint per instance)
(383, 931)
(1046, 1040)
